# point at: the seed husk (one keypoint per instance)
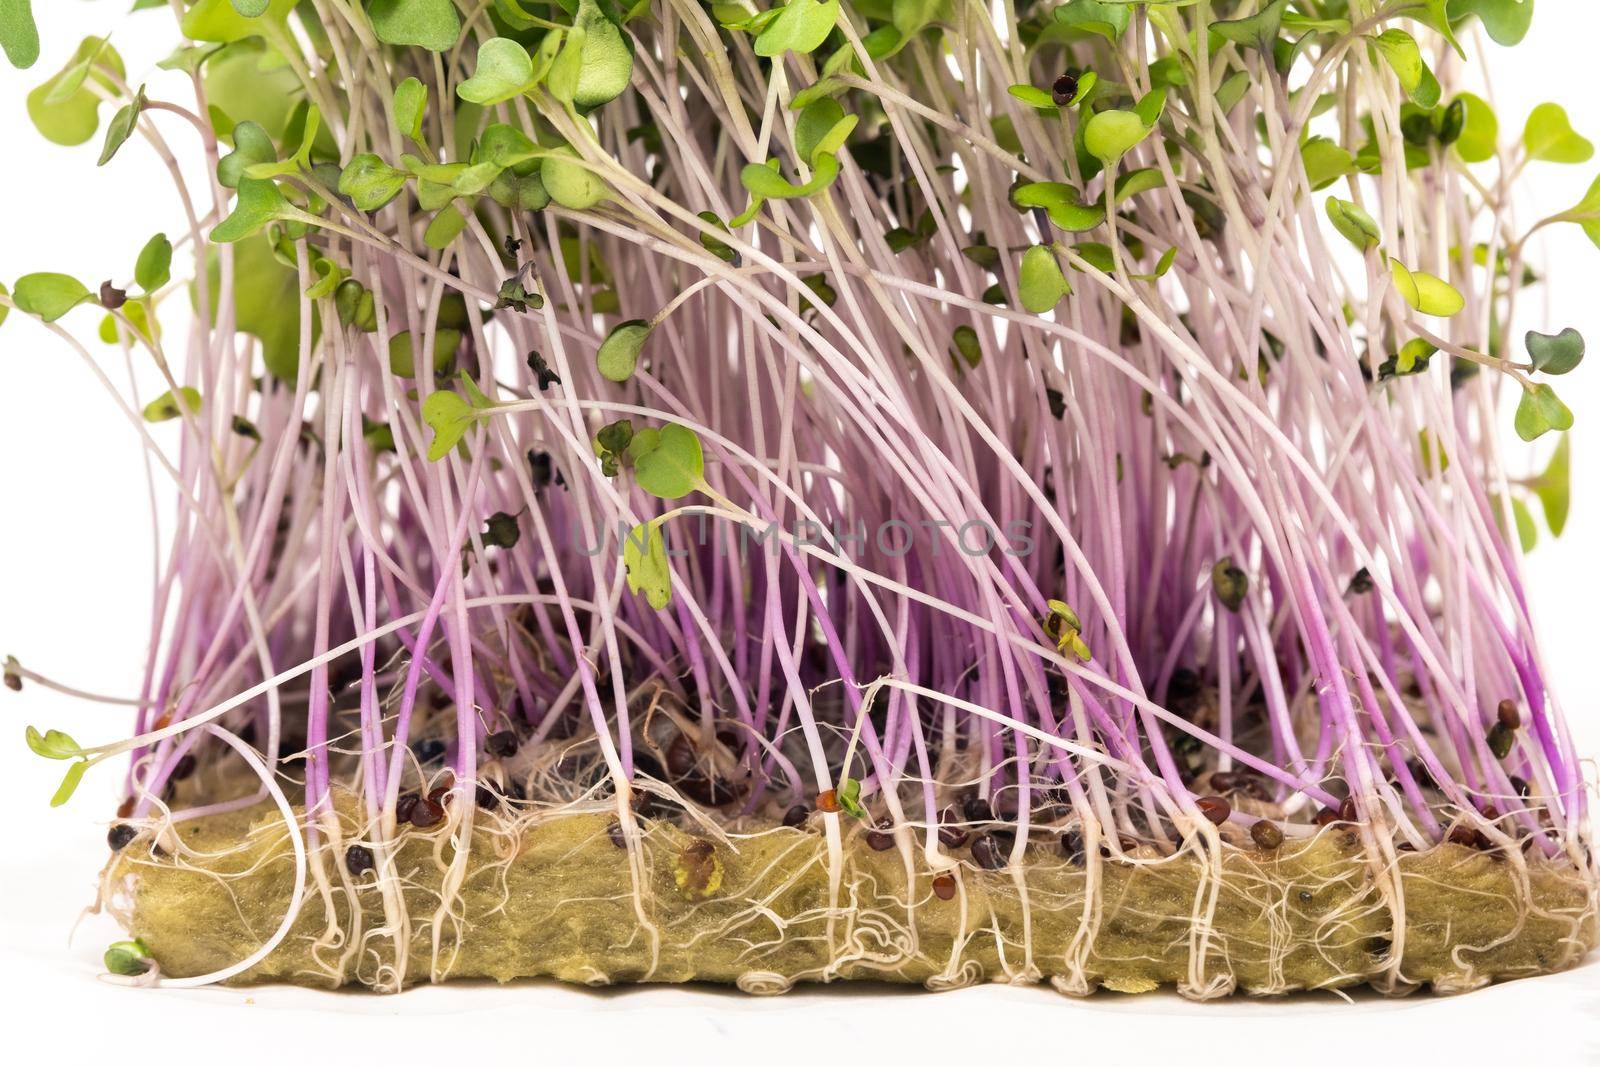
(1266, 835)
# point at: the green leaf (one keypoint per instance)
(504, 70)
(1540, 411)
(669, 465)
(1109, 135)
(4, 310)
(128, 958)
(1258, 31)
(1480, 133)
(849, 797)
(251, 146)
(607, 58)
(52, 744)
(69, 783)
(410, 107)
(619, 352)
(910, 16)
(259, 202)
(1040, 283)
(65, 109)
(1326, 162)
(1108, 18)
(965, 341)
(248, 8)
(19, 36)
(121, 127)
(138, 320)
(402, 361)
(370, 183)
(1506, 21)
(1425, 292)
(764, 181)
(644, 554)
(1528, 535)
(1033, 96)
(154, 266)
(800, 26)
(1061, 202)
(430, 24)
(1554, 488)
(570, 183)
(1549, 136)
(1400, 50)
(445, 227)
(171, 405)
(217, 20)
(1555, 354)
(48, 296)
(1353, 223)
(450, 418)
(822, 127)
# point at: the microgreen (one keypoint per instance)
(1426, 292)
(52, 744)
(153, 268)
(644, 554)
(19, 36)
(618, 354)
(848, 795)
(121, 126)
(1040, 283)
(171, 405)
(430, 24)
(48, 296)
(800, 26)
(668, 463)
(504, 70)
(1549, 136)
(128, 958)
(1555, 354)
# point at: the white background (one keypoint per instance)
(75, 565)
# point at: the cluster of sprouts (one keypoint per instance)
(1077, 422)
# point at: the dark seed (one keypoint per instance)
(879, 841)
(944, 886)
(1072, 846)
(1463, 835)
(1508, 714)
(404, 806)
(1215, 809)
(1521, 786)
(977, 809)
(14, 681)
(1501, 740)
(112, 298)
(125, 809)
(440, 795)
(1327, 817)
(487, 799)
(427, 812)
(796, 816)
(827, 801)
(120, 835)
(986, 853)
(502, 744)
(358, 860)
(1064, 89)
(429, 750)
(951, 833)
(1347, 810)
(618, 838)
(183, 768)
(1305, 896)
(1266, 835)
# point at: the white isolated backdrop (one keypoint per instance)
(76, 557)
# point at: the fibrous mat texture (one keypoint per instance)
(558, 896)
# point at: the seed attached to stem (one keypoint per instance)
(426, 813)
(1215, 809)
(120, 836)
(1508, 714)
(1064, 89)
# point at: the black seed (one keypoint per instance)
(120, 835)
(1360, 583)
(1521, 786)
(1215, 809)
(427, 812)
(1064, 89)
(879, 841)
(358, 860)
(183, 768)
(502, 743)
(428, 750)
(986, 853)
(797, 815)
(14, 681)
(951, 833)
(977, 809)
(112, 298)
(1305, 896)
(487, 799)
(404, 805)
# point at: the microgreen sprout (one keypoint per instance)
(1081, 436)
